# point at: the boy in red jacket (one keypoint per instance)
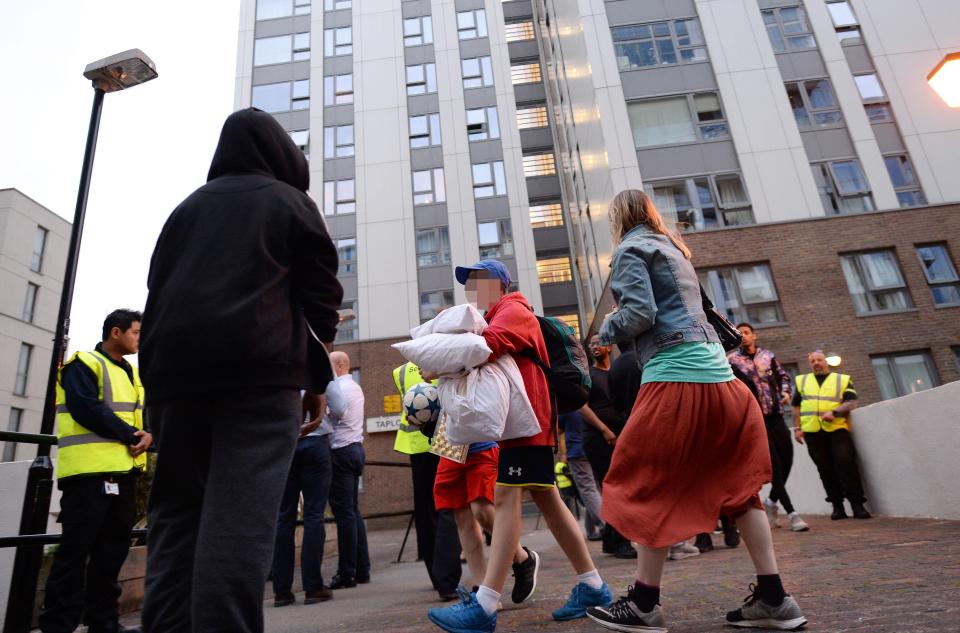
(525, 464)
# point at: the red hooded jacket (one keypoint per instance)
(511, 329)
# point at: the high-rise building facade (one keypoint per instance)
(441, 132)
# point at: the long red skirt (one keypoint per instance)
(690, 452)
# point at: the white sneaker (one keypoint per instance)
(683, 550)
(797, 524)
(773, 512)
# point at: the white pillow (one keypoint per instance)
(456, 320)
(445, 354)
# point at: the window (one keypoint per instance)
(339, 197)
(13, 425)
(338, 141)
(282, 97)
(424, 130)
(30, 302)
(336, 5)
(428, 187)
(703, 202)
(658, 44)
(338, 41)
(904, 180)
(519, 31)
(270, 9)
(525, 73)
(572, 320)
(673, 120)
(23, 369)
(421, 79)
(471, 24)
(302, 140)
(433, 247)
(788, 29)
(554, 270)
(878, 112)
(546, 215)
(875, 282)
(869, 87)
(281, 49)
(843, 187)
(348, 330)
(539, 165)
(956, 355)
(482, 124)
(418, 31)
(338, 89)
(347, 253)
(905, 373)
(941, 274)
(489, 180)
(39, 247)
(431, 303)
(496, 239)
(814, 104)
(529, 118)
(744, 293)
(477, 72)
(844, 21)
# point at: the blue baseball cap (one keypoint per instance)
(493, 266)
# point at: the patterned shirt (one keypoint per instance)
(771, 381)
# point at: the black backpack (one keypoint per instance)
(569, 371)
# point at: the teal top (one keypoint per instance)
(688, 362)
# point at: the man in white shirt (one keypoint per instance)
(345, 414)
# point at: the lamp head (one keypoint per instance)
(834, 359)
(945, 79)
(121, 71)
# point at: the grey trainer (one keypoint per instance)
(757, 614)
(797, 524)
(625, 615)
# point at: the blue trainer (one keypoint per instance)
(582, 597)
(467, 616)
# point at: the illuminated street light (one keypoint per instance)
(834, 360)
(945, 79)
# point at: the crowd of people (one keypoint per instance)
(252, 412)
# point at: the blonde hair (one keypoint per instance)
(631, 208)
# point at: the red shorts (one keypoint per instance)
(457, 485)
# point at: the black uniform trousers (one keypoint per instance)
(96, 537)
(438, 542)
(781, 458)
(835, 456)
(599, 454)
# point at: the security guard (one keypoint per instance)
(101, 450)
(821, 406)
(437, 541)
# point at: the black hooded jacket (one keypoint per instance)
(238, 266)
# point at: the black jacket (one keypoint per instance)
(237, 267)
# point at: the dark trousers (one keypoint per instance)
(96, 537)
(310, 474)
(221, 471)
(354, 557)
(781, 458)
(836, 458)
(437, 534)
(599, 454)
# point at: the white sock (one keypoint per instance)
(488, 599)
(591, 578)
(792, 514)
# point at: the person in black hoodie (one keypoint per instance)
(240, 269)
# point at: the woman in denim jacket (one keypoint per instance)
(695, 446)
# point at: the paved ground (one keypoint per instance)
(877, 576)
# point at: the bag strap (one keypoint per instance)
(707, 304)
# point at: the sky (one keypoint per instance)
(156, 140)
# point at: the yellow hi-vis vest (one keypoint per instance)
(818, 399)
(82, 452)
(563, 481)
(409, 438)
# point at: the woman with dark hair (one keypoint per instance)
(694, 446)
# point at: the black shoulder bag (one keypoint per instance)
(730, 336)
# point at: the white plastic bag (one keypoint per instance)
(521, 418)
(445, 354)
(456, 320)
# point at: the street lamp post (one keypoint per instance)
(945, 79)
(111, 74)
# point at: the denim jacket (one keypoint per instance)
(658, 294)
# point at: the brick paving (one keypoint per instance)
(879, 576)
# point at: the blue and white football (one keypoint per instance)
(422, 403)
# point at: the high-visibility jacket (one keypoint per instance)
(817, 399)
(82, 452)
(409, 438)
(560, 472)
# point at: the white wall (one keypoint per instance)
(13, 479)
(908, 451)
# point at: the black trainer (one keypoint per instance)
(625, 615)
(525, 577)
(343, 582)
(859, 512)
(704, 542)
(838, 512)
(731, 535)
(625, 551)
